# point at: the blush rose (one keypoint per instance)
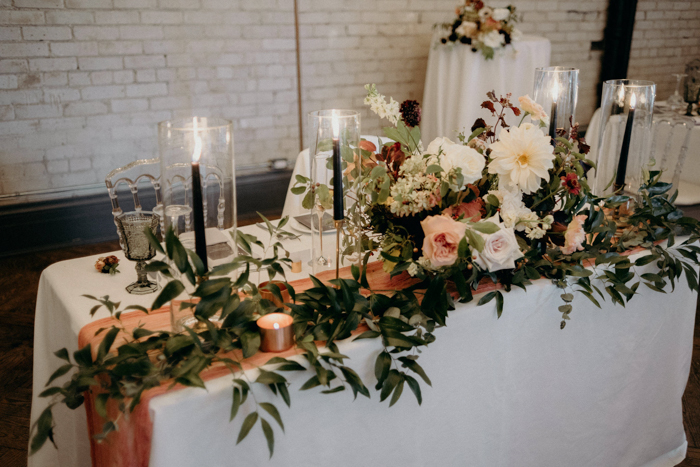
(442, 237)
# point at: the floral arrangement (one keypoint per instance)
(505, 204)
(484, 28)
(107, 265)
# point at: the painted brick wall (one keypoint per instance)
(84, 82)
(666, 37)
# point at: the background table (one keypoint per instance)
(605, 391)
(458, 79)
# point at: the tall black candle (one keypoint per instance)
(553, 114)
(200, 241)
(624, 151)
(338, 208)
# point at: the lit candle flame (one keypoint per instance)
(555, 91)
(276, 325)
(336, 124)
(197, 153)
(633, 101)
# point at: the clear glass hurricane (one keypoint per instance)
(136, 246)
(675, 101)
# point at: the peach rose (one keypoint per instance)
(442, 237)
(574, 235)
(100, 264)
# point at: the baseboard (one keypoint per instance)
(47, 225)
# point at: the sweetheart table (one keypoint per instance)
(457, 80)
(605, 391)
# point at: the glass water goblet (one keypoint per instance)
(137, 248)
(675, 101)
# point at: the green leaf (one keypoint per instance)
(284, 392)
(476, 241)
(101, 404)
(415, 387)
(137, 307)
(171, 291)
(389, 384)
(416, 368)
(106, 343)
(153, 240)
(297, 190)
(44, 430)
(62, 354)
(248, 424)
(486, 298)
(270, 377)
(83, 357)
(272, 410)
(269, 435)
(485, 227)
(382, 366)
(50, 392)
(397, 391)
(250, 341)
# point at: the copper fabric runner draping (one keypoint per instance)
(130, 444)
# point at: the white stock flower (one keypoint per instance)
(377, 104)
(499, 14)
(515, 35)
(467, 28)
(500, 249)
(493, 39)
(522, 157)
(512, 208)
(412, 269)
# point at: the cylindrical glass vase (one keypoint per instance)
(623, 146)
(198, 183)
(556, 90)
(334, 139)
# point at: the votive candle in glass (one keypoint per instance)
(276, 332)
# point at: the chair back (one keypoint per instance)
(139, 172)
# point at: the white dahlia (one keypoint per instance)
(522, 157)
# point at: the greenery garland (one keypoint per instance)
(404, 320)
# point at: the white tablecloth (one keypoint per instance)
(689, 186)
(458, 79)
(514, 391)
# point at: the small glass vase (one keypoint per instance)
(334, 136)
(623, 147)
(208, 144)
(556, 90)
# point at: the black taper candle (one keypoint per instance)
(200, 240)
(338, 208)
(553, 123)
(624, 151)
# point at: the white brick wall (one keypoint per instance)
(83, 83)
(666, 37)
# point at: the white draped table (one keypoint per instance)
(515, 391)
(458, 79)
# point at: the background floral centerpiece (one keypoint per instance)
(484, 28)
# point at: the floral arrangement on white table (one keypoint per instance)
(500, 207)
(483, 28)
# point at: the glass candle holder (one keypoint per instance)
(198, 183)
(556, 90)
(624, 136)
(276, 332)
(334, 137)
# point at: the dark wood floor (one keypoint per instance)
(19, 278)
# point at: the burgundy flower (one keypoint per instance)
(571, 183)
(410, 112)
